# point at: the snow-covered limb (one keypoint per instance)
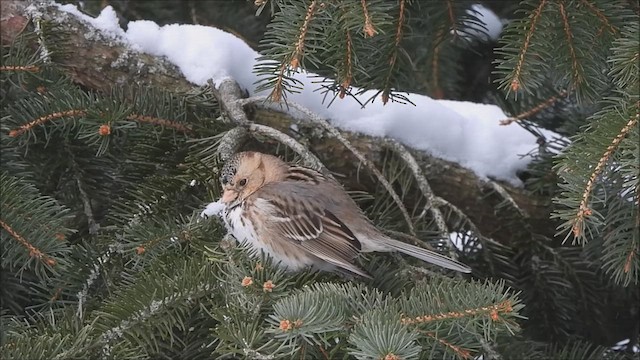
(470, 131)
(464, 132)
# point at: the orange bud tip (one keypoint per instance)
(268, 286)
(285, 325)
(515, 85)
(104, 130)
(247, 281)
(369, 31)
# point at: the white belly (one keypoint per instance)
(245, 233)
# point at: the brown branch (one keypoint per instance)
(103, 130)
(493, 311)
(276, 93)
(33, 251)
(322, 350)
(160, 122)
(369, 30)
(295, 60)
(43, 119)
(29, 68)
(399, 28)
(575, 64)
(452, 19)
(627, 263)
(141, 249)
(435, 66)
(536, 109)
(517, 82)
(394, 55)
(461, 352)
(600, 14)
(583, 210)
(346, 83)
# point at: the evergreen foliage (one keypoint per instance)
(104, 254)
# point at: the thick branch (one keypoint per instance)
(92, 67)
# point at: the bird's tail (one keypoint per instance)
(429, 256)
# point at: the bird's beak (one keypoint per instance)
(229, 195)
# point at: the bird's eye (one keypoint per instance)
(243, 182)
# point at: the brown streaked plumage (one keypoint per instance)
(301, 218)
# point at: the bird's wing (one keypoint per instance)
(295, 214)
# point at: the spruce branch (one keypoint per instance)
(435, 64)
(304, 28)
(576, 64)
(33, 251)
(159, 122)
(456, 184)
(516, 78)
(584, 211)
(37, 225)
(368, 29)
(18, 68)
(84, 196)
(536, 109)
(452, 19)
(387, 88)
(458, 350)
(345, 84)
(492, 311)
(44, 119)
(606, 24)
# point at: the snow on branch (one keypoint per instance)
(464, 132)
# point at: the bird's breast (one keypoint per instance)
(244, 223)
(239, 224)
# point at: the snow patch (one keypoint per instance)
(213, 209)
(490, 27)
(463, 132)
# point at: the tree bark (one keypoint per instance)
(99, 63)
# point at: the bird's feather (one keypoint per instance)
(310, 226)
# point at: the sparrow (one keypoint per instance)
(302, 219)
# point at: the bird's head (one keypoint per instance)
(246, 172)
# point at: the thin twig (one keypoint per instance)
(536, 109)
(385, 183)
(505, 195)
(86, 201)
(425, 188)
(307, 156)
